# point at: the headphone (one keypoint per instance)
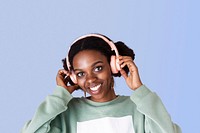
(115, 67)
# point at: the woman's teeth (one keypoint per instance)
(95, 88)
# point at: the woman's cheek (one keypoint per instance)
(81, 84)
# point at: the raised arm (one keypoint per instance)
(157, 119)
(53, 105)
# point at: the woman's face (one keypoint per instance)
(94, 75)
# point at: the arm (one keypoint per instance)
(157, 119)
(52, 106)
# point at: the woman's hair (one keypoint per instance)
(98, 44)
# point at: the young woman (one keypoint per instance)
(92, 62)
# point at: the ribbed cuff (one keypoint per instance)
(62, 93)
(139, 94)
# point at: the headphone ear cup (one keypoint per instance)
(114, 65)
(73, 78)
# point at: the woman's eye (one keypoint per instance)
(99, 68)
(80, 74)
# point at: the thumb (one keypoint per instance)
(123, 73)
(71, 89)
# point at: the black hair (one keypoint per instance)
(98, 44)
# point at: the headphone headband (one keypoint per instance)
(110, 43)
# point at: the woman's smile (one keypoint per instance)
(95, 88)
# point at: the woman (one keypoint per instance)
(92, 62)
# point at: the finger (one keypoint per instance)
(123, 73)
(129, 63)
(126, 62)
(63, 72)
(133, 68)
(126, 59)
(123, 59)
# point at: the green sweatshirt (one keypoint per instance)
(142, 112)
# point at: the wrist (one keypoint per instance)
(136, 86)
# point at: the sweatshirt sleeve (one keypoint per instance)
(52, 106)
(157, 119)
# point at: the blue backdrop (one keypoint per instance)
(35, 36)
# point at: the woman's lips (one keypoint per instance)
(95, 89)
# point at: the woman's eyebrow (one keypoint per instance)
(95, 63)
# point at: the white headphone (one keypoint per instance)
(115, 67)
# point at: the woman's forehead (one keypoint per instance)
(88, 58)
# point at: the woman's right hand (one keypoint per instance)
(61, 80)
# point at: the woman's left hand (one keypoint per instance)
(133, 78)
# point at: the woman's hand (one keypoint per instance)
(62, 79)
(133, 78)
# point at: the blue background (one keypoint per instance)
(35, 36)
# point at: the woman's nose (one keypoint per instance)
(91, 78)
